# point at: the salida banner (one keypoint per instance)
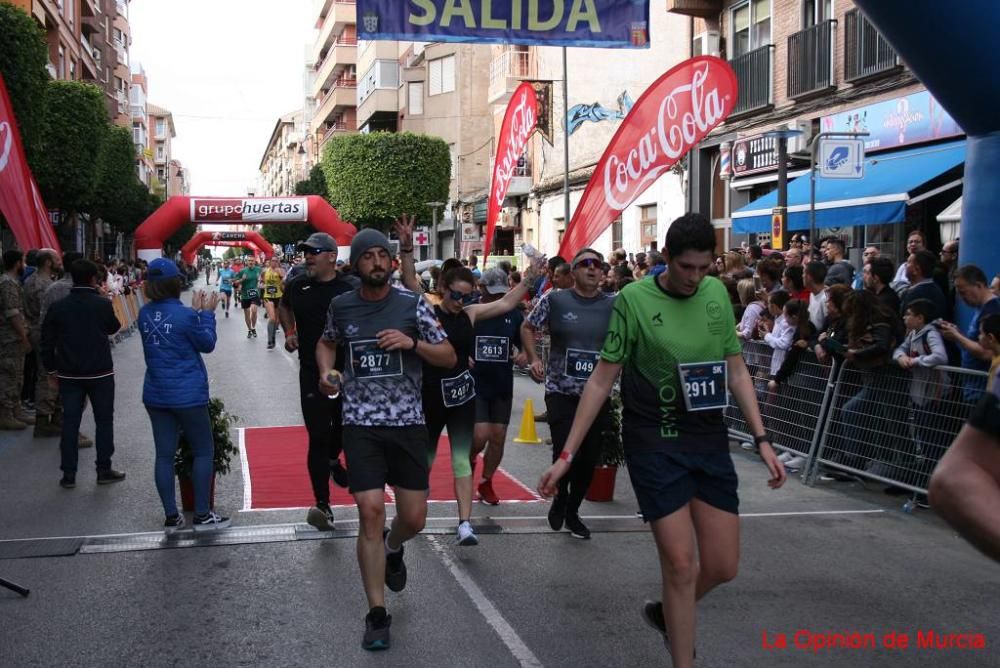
(676, 112)
(20, 201)
(518, 123)
(594, 23)
(249, 209)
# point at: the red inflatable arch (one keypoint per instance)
(250, 239)
(235, 244)
(181, 209)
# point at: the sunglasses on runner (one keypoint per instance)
(315, 251)
(587, 263)
(470, 298)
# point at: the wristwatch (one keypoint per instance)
(763, 438)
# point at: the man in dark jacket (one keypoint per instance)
(920, 272)
(77, 356)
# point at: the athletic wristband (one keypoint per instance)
(415, 340)
(405, 250)
(763, 438)
(566, 456)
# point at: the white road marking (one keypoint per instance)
(245, 468)
(507, 634)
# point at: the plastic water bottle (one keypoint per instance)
(334, 379)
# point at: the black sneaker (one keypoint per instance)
(249, 333)
(377, 623)
(173, 523)
(227, 313)
(68, 481)
(270, 345)
(254, 332)
(395, 569)
(321, 517)
(577, 528)
(652, 614)
(339, 474)
(209, 522)
(109, 477)
(557, 513)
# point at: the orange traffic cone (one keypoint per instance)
(528, 433)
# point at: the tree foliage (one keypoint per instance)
(373, 178)
(120, 198)
(77, 123)
(23, 55)
(291, 233)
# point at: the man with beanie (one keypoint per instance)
(386, 334)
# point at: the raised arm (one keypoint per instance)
(509, 301)
(404, 231)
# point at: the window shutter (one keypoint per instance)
(448, 74)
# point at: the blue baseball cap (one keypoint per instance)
(161, 269)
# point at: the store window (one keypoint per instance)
(751, 23)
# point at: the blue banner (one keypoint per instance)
(909, 119)
(622, 24)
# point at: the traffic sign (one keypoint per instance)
(842, 158)
(421, 236)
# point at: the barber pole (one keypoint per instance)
(519, 122)
(667, 121)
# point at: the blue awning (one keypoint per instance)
(878, 198)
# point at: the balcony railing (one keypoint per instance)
(512, 64)
(754, 76)
(866, 51)
(339, 126)
(810, 59)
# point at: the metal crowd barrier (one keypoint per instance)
(888, 425)
(126, 309)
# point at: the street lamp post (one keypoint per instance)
(434, 224)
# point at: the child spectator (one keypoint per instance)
(796, 314)
(833, 340)
(780, 333)
(792, 282)
(753, 307)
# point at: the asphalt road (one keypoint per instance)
(834, 558)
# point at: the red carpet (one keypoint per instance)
(275, 476)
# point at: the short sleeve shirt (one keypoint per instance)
(250, 277)
(381, 389)
(576, 327)
(309, 301)
(653, 331)
(494, 343)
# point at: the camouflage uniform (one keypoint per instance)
(34, 292)
(12, 358)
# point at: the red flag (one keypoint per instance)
(676, 112)
(518, 123)
(20, 201)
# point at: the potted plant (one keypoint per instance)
(222, 460)
(602, 485)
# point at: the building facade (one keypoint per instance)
(162, 132)
(812, 66)
(332, 80)
(138, 93)
(285, 161)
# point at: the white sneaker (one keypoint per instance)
(465, 535)
(785, 456)
(747, 445)
(795, 463)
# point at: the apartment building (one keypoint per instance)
(817, 66)
(138, 93)
(162, 132)
(285, 161)
(88, 40)
(602, 85)
(178, 179)
(443, 93)
(332, 82)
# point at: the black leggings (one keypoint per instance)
(562, 409)
(323, 418)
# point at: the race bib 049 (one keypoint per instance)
(581, 363)
(370, 361)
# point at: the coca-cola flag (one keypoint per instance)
(518, 124)
(19, 199)
(676, 112)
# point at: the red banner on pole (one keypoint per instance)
(675, 113)
(518, 123)
(20, 201)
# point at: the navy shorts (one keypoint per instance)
(665, 482)
(380, 456)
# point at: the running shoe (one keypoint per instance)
(227, 314)
(377, 623)
(795, 463)
(339, 474)
(270, 345)
(395, 569)
(254, 332)
(173, 523)
(68, 481)
(486, 493)
(109, 477)
(321, 517)
(465, 535)
(557, 513)
(747, 445)
(249, 333)
(577, 529)
(209, 522)
(652, 614)
(785, 456)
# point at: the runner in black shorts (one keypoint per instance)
(674, 341)
(387, 334)
(303, 309)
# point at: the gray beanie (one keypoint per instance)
(366, 239)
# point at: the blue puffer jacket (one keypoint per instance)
(173, 338)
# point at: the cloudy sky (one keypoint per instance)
(227, 69)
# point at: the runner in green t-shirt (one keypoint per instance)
(674, 341)
(248, 282)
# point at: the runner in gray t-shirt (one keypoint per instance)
(387, 333)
